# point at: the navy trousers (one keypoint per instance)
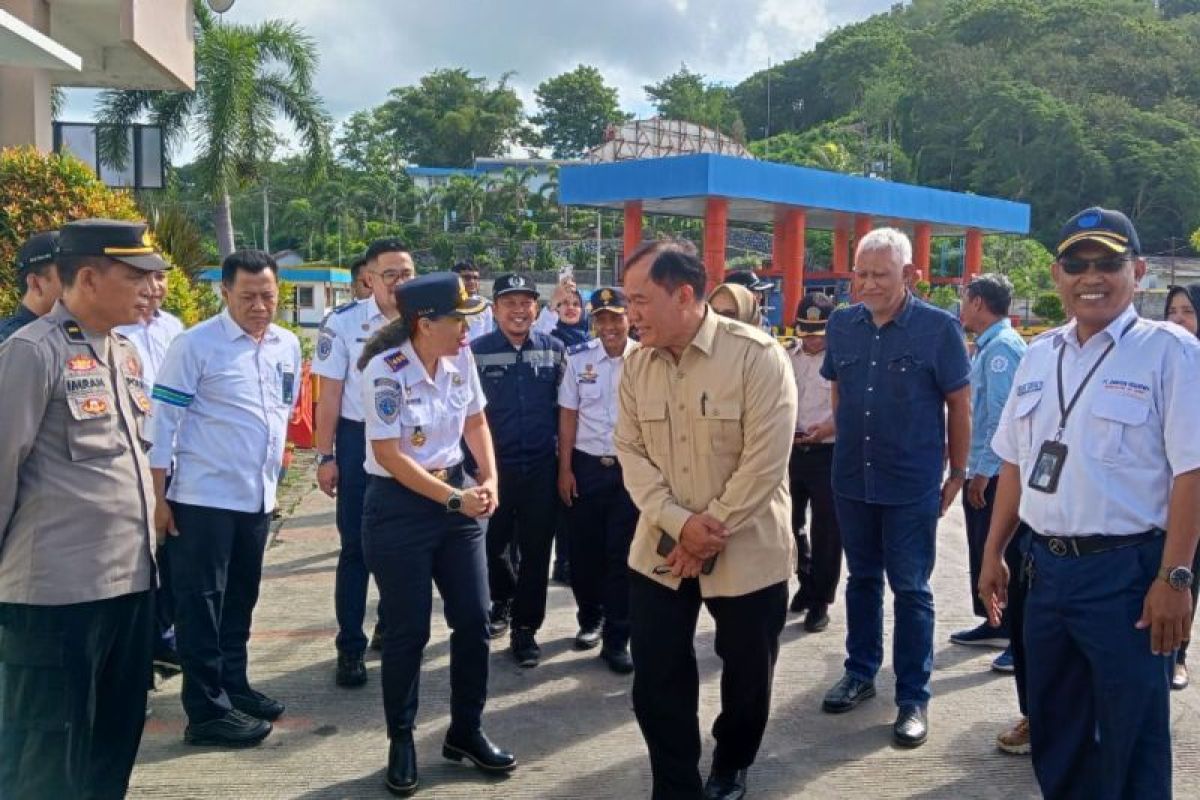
(216, 567)
(899, 542)
(73, 696)
(525, 521)
(602, 521)
(412, 543)
(1099, 700)
(351, 578)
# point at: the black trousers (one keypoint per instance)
(818, 552)
(411, 542)
(216, 564)
(666, 682)
(73, 696)
(602, 521)
(351, 578)
(526, 517)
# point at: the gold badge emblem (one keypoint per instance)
(813, 314)
(146, 241)
(95, 406)
(418, 438)
(606, 296)
(81, 363)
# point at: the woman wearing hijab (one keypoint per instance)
(736, 302)
(1183, 304)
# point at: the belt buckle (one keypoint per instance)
(1057, 546)
(607, 461)
(440, 474)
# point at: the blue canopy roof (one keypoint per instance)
(294, 275)
(679, 186)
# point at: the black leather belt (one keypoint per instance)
(604, 461)
(1075, 546)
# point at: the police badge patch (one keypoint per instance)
(387, 403)
(324, 345)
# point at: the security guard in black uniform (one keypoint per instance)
(421, 398)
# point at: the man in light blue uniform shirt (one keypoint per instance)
(222, 402)
(998, 351)
(1102, 462)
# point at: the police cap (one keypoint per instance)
(608, 299)
(437, 294)
(127, 242)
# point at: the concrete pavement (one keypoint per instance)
(570, 721)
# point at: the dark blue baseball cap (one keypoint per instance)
(608, 298)
(36, 252)
(1103, 226)
(437, 294)
(745, 277)
(513, 282)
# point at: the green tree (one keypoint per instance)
(574, 109)
(687, 96)
(450, 117)
(246, 76)
(1049, 308)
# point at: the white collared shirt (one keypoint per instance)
(343, 335)
(426, 415)
(152, 340)
(589, 386)
(814, 402)
(1132, 431)
(482, 323)
(222, 403)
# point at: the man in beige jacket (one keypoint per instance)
(703, 435)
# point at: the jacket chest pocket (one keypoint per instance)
(92, 427)
(719, 429)
(902, 373)
(1114, 418)
(655, 427)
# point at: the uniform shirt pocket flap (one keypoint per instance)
(1122, 409)
(1027, 403)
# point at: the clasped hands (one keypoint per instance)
(701, 537)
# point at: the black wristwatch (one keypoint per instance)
(1178, 578)
(325, 458)
(958, 474)
(454, 501)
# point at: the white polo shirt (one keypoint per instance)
(222, 402)
(1133, 430)
(426, 415)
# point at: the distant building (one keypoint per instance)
(427, 177)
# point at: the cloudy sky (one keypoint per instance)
(370, 46)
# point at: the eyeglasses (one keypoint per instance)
(1078, 266)
(389, 276)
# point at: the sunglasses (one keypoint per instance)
(1078, 266)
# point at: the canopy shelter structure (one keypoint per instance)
(721, 189)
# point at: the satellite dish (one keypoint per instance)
(220, 6)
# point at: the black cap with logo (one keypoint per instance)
(36, 252)
(437, 294)
(745, 277)
(813, 314)
(1103, 226)
(608, 299)
(127, 242)
(513, 282)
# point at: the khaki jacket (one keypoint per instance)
(712, 433)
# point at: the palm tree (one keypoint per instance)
(465, 195)
(246, 75)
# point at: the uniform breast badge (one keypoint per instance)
(418, 438)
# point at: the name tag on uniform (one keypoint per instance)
(289, 387)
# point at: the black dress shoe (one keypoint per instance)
(588, 637)
(376, 643)
(498, 620)
(479, 750)
(257, 705)
(619, 661)
(799, 602)
(401, 776)
(911, 728)
(525, 648)
(817, 618)
(846, 694)
(351, 671)
(166, 662)
(725, 785)
(235, 729)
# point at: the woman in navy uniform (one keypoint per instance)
(421, 397)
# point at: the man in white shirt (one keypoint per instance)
(819, 563)
(152, 335)
(222, 402)
(484, 322)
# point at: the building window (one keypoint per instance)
(304, 298)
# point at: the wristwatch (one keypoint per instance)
(1178, 578)
(454, 501)
(325, 458)
(958, 474)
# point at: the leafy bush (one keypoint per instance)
(1049, 307)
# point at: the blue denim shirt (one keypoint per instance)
(521, 387)
(891, 384)
(998, 351)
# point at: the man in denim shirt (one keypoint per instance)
(897, 365)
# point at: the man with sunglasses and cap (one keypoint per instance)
(38, 276)
(1101, 461)
(520, 370)
(77, 526)
(810, 469)
(601, 514)
(757, 285)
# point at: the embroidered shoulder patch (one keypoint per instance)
(396, 361)
(1029, 388)
(998, 364)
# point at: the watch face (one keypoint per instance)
(1180, 578)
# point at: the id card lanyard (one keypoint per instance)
(1052, 456)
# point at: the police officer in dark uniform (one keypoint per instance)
(421, 399)
(520, 371)
(77, 527)
(38, 274)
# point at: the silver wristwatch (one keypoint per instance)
(1178, 578)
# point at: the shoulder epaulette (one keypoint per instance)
(582, 346)
(756, 335)
(396, 361)
(344, 307)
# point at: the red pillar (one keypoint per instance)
(921, 247)
(974, 255)
(716, 218)
(795, 222)
(862, 226)
(841, 249)
(633, 226)
(779, 242)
